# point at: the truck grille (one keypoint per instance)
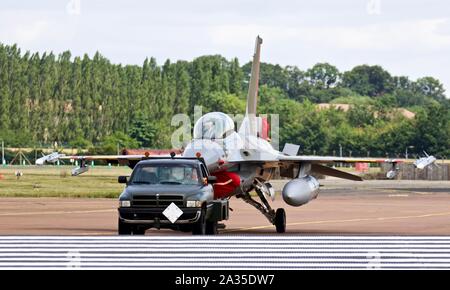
(160, 201)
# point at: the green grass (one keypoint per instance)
(56, 181)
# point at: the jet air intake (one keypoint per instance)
(300, 191)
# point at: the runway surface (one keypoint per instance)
(226, 252)
(342, 208)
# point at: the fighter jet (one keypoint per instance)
(423, 162)
(247, 153)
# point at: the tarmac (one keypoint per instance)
(342, 208)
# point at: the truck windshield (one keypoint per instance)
(165, 174)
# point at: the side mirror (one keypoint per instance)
(122, 179)
(212, 179)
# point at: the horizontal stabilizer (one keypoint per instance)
(325, 170)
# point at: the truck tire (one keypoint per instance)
(211, 228)
(199, 228)
(137, 231)
(124, 228)
(185, 228)
(280, 220)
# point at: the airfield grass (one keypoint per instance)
(56, 181)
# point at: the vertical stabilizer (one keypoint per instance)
(252, 97)
(249, 126)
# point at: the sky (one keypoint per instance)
(409, 38)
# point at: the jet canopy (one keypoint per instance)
(213, 125)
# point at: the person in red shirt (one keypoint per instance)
(226, 184)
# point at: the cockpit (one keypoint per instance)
(213, 125)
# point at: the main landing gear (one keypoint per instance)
(280, 220)
(277, 218)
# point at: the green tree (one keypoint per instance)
(236, 77)
(143, 131)
(5, 96)
(80, 143)
(298, 87)
(368, 80)
(224, 102)
(433, 130)
(430, 87)
(270, 75)
(361, 116)
(323, 75)
(86, 100)
(119, 140)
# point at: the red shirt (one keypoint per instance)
(223, 191)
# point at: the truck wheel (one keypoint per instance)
(185, 228)
(123, 228)
(137, 231)
(211, 228)
(199, 227)
(280, 220)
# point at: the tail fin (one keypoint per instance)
(252, 97)
(249, 125)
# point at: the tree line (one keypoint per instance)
(89, 102)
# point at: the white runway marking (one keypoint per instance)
(387, 218)
(227, 252)
(56, 212)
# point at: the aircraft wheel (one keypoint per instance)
(211, 228)
(199, 227)
(124, 228)
(280, 220)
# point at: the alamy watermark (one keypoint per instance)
(73, 7)
(374, 260)
(373, 7)
(235, 131)
(74, 259)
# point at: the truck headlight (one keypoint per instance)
(194, 203)
(124, 203)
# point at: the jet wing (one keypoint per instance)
(317, 164)
(102, 157)
(129, 160)
(332, 159)
(54, 157)
(317, 167)
(270, 155)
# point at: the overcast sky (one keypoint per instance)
(406, 37)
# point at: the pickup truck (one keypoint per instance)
(174, 193)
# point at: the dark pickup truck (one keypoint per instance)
(174, 193)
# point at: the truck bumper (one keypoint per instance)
(154, 216)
